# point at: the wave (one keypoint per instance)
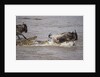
(33, 42)
(64, 44)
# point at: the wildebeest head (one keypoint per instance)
(25, 28)
(50, 35)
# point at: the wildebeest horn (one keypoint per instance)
(76, 35)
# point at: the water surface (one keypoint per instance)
(41, 26)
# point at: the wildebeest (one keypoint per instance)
(20, 28)
(64, 37)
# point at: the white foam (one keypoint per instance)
(64, 44)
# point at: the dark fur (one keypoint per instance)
(20, 29)
(66, 36)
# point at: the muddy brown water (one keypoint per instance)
(41, 26)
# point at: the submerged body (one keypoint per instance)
(64, 37)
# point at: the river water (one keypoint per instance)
(41, 26)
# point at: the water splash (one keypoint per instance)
(64, 44)
(33, 42)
